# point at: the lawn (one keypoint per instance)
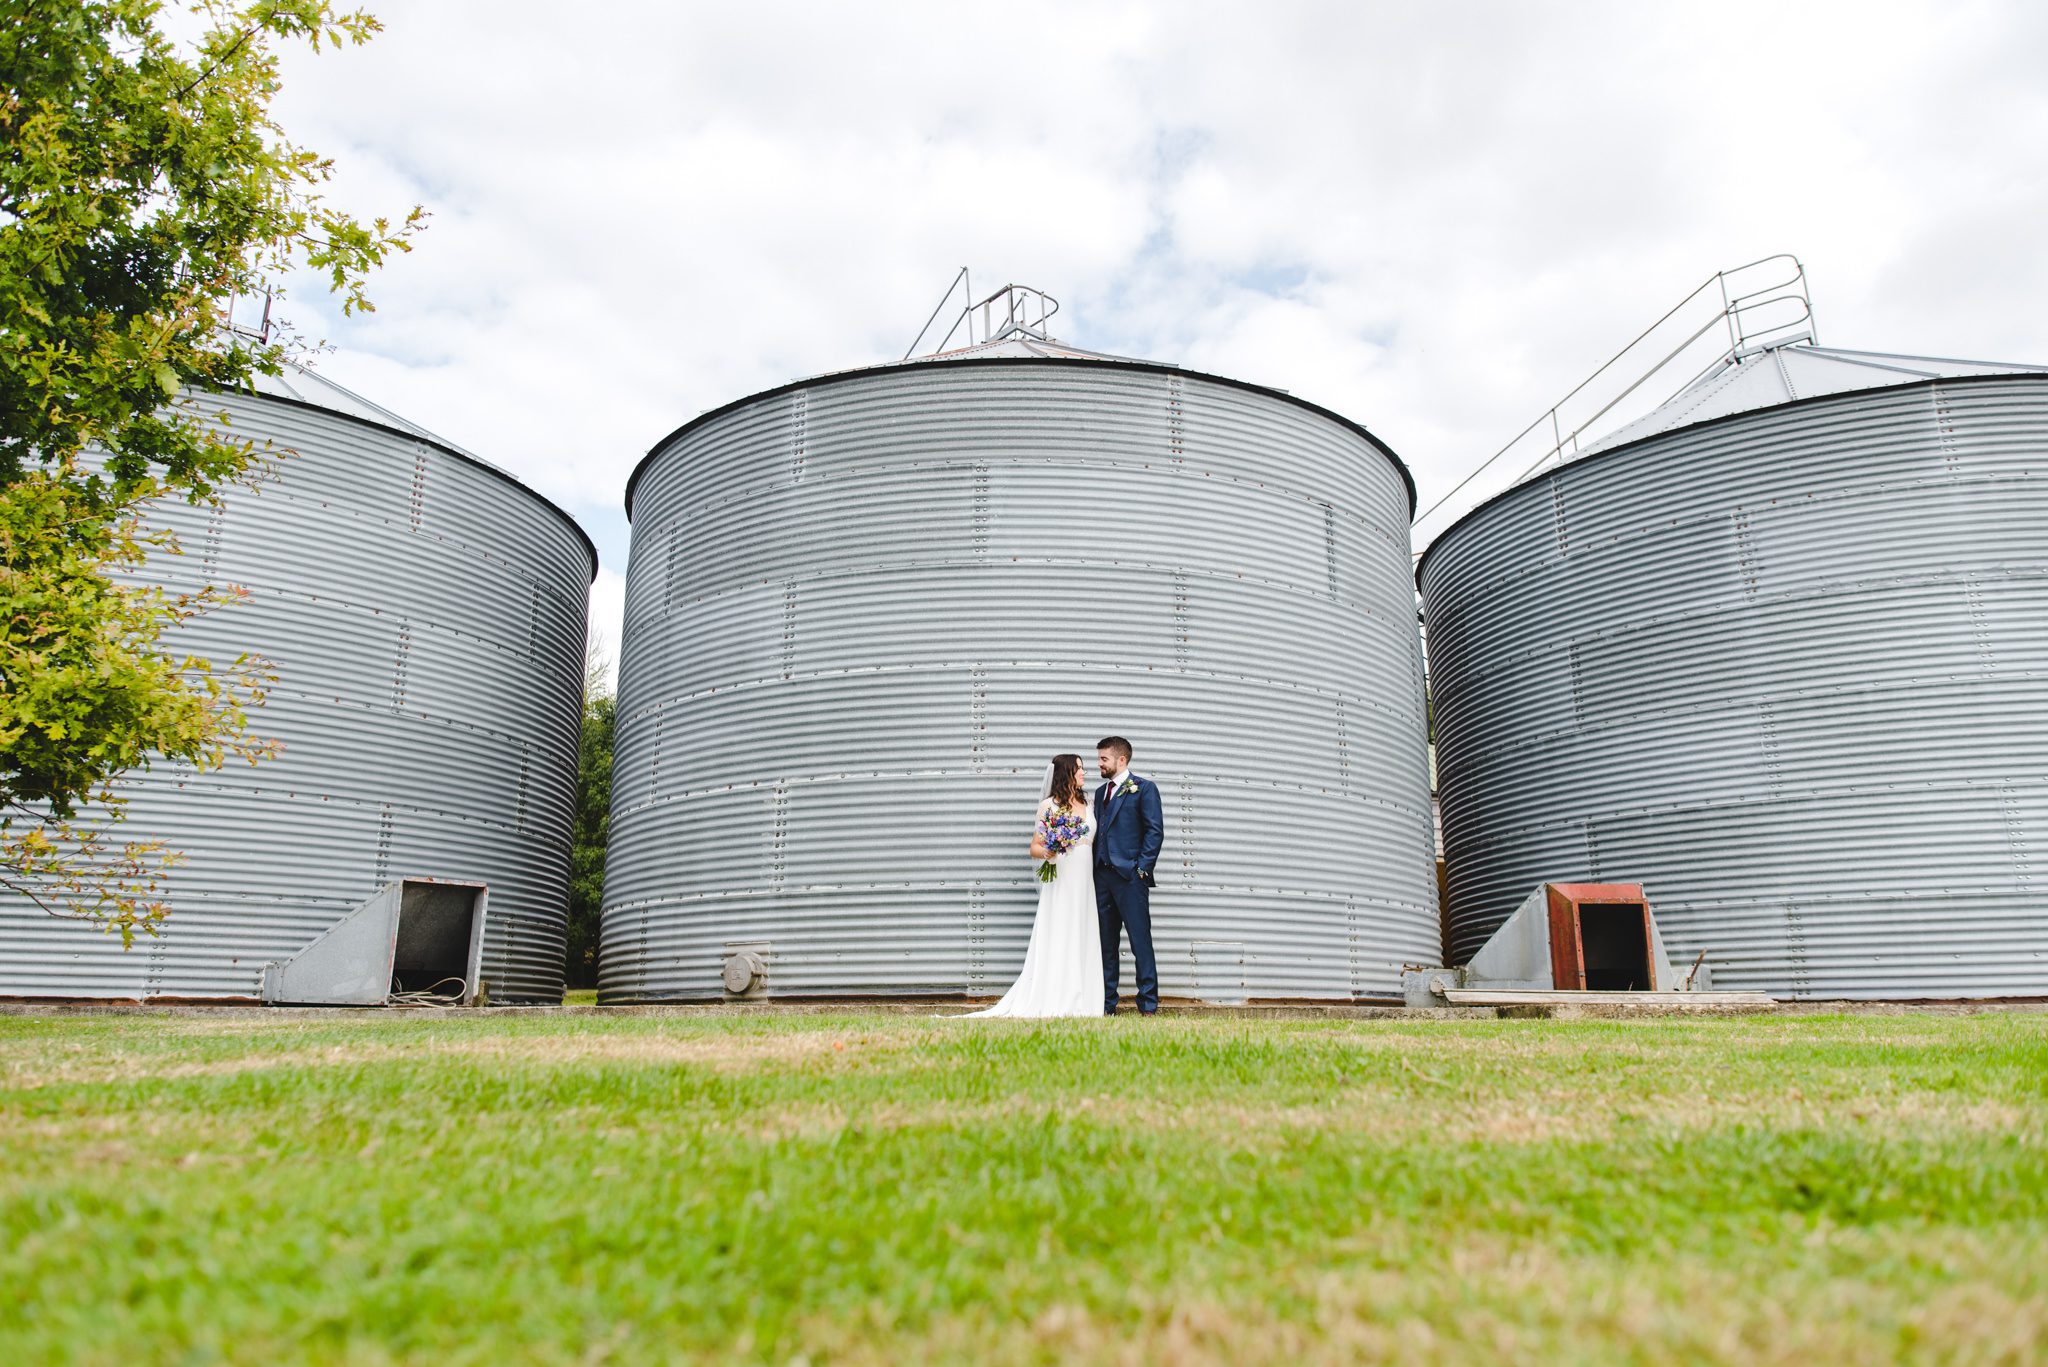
(471, 1187)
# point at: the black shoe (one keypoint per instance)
(1143, 1012)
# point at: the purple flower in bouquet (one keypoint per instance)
(1059, 830)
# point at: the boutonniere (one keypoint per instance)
(1127, 789)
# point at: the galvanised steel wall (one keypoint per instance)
(425, 616)
(1789, 670)
(863, 612)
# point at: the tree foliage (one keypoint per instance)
(144, 187)
(89, 695)
(592, 832)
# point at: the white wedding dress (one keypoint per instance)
(1062, 973)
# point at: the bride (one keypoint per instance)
(1062, 973)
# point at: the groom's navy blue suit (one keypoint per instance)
(1126, 848)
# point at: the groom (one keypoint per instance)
(1126, 848)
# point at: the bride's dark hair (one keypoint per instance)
(1067, 788)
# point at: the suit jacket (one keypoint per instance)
(1130, 829)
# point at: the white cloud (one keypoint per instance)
(1434, 219)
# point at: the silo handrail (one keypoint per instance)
(1791, 289)
(1018, 314)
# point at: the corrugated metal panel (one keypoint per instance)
(426, 618)
(861, 615)
(1789, 670)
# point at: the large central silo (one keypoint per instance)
(863, 611)
(424, 613)
(1778, 651)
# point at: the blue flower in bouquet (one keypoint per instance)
(1059, 830)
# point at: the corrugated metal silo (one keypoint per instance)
(863, 611)
(1778, 651)
(425, 615)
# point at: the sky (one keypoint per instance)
(1433, 218)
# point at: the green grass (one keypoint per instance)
(472, 1188)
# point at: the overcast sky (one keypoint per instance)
(1433, 218)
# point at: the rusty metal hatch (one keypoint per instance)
(1600, 938)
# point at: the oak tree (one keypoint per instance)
(145, 186)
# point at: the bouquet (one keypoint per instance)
(1059, 829)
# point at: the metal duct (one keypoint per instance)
(862, 612)
(426, 617)
(1787, 669)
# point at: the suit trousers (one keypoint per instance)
(1126, 904)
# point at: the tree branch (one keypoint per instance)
(201, 78)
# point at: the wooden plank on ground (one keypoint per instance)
(1508, 996)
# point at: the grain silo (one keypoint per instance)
(425, 615)
(863, 611)
(1778, 651)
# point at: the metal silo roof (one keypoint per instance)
(1750, 382)
(1016, 349)
(300, 384)
(1024, 346)
(1768, 376)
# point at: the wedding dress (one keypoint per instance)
(1062, 973)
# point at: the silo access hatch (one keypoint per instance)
(419, 941)
(1568, 940)
(1600, 938)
